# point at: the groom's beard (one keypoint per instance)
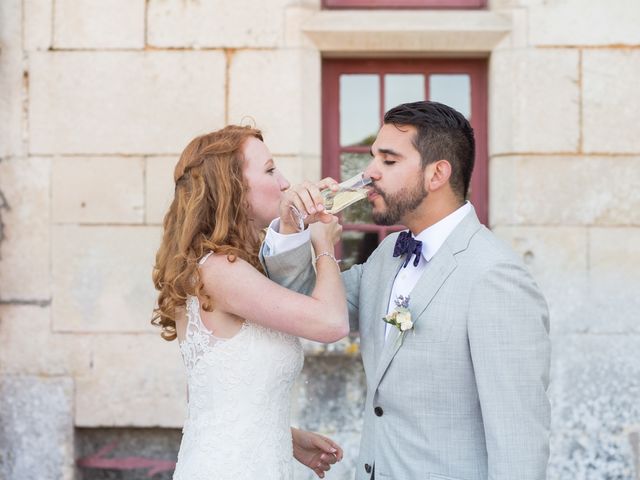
(399, 204)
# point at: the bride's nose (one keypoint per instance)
(284, 183)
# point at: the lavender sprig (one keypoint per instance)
(401, 301)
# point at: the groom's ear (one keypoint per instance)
(437, 175)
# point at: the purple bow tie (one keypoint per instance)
(405, 243)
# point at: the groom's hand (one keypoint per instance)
(315, 451)
(305, 199)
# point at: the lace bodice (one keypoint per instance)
(198, 339)
(238, 424)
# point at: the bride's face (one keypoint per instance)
(266, 183)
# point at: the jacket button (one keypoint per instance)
(367, 468)
(378, 411)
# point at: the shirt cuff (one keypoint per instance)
(275, 242)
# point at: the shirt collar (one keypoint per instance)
(434, 236)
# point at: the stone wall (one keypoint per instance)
(564, 168)
(98, 98)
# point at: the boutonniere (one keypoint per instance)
(401, 315)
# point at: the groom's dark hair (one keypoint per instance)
(443, 134)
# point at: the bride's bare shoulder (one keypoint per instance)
(221, 266)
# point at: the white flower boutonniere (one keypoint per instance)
(401, 315)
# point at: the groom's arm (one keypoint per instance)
(286, 258)
(351, 279)
(292, 267)
(508, 328)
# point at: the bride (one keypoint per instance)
(238, 331)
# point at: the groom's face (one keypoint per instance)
(397, 174)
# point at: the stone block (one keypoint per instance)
(614, 280)
(518, 36)
(38, 24)
(102, 278)
(502, 4)
(123, 102)
(311, 167)
(329, 399)
(293, 168)
(159, 187)
(29, 347)
(25, 229)
(564, 190)
(215, 23)
(36, 428)
(580, 22)
(152, 392)
(595, 400)
(534, 101)
(295, 18)
(88, 24)
(330, 394)
(421, 31)
(610, 100)
(11, 79)
(97, 190)
(290, 113)
(557, 259)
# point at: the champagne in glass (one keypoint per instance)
(349, 192)
(334, 201)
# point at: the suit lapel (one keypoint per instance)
(436, 273)
(439, 269)
(389, 273)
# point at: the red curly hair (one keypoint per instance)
(209, 212)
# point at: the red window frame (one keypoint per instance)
(397, 4)
(331, 149)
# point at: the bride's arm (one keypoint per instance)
(238, 288)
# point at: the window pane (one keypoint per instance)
(350, 165)
(356, 247)
(359, 109)
(452, 90)
(402, 89)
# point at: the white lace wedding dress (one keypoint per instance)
(239, 402)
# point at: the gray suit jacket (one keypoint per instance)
(463, 396)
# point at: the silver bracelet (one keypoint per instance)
(327, 254)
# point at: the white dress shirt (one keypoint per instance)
(432, 239)
(276, 242)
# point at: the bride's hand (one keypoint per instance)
(325, 234)
(304, 198)
(315, 451)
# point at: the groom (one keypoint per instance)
(459, 392)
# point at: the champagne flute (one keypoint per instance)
(349, 192)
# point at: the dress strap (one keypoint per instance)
(204, 259)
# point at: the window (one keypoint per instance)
(404, 3)
(356, 93)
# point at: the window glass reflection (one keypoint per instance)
(402, 88)
(359, 109)
(452, 90)
(350, 165)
